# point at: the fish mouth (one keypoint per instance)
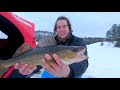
(81, 52)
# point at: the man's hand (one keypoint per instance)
(25, 69)
(58, 68)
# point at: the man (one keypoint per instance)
(64, 36)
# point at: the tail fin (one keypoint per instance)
(2, 68)
(6, 75)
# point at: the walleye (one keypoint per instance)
(25, 54)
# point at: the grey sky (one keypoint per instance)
(84, 24)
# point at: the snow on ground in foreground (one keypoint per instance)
(104, 61)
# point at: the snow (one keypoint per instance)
(104, 61)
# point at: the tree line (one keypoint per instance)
(113, 34)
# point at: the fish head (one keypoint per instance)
(74, 55)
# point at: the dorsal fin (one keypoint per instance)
(47, 41)
(23, 48)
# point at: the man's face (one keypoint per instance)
(62, 29)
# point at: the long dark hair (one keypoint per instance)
(68, 22)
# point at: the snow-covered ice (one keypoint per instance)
(104, 61)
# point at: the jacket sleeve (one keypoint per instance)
(15, 73)
(77, 69)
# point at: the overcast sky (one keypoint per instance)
(84, 24)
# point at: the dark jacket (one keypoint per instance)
(76, 69)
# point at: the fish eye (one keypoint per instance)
(75, 50)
